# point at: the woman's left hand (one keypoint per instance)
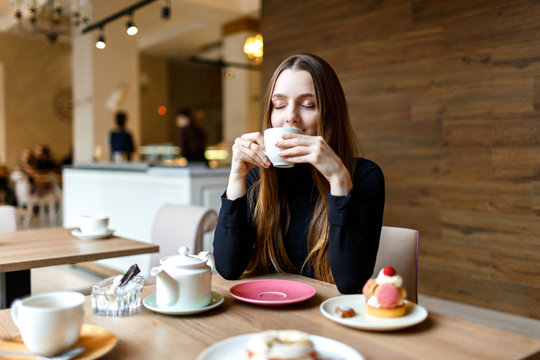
(299, 148)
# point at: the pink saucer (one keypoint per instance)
(272, 292)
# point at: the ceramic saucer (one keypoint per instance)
(96, 340)
(272, 292)
(83, 236)
(150, 303)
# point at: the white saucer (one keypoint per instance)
(150, 303)
(84, 236)
(415, 314)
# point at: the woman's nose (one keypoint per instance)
(292, 116)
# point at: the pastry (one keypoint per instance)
(344, 311)
(281, 345)
(385, 295)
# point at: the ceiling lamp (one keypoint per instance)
(131, 29)
(100, 43)
(166, 10)
(253, 47)
(49, 18)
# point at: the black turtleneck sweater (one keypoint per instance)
(355, 225)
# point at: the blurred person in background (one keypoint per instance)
(120, 139)
(191, 137)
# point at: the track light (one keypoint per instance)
(166, 10)
(100, 43)
(131, 29)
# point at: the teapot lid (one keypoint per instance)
(182, 260)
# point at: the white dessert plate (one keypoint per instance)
(234, 348)
(150, 302)
(414, 314)
(84, 236)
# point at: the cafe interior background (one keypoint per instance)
(444, 96)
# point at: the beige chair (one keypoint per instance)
(181, 225)
(398, 247)
(8, 218)
(27, 201)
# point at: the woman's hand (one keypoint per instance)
(299, 148)
(247, 152)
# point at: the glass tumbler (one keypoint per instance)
(108, 300)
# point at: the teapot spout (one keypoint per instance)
(166, 287)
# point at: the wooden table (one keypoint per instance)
(150, 335)
(23, 250)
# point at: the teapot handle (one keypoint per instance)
(209, 257)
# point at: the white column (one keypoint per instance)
(241, 92)
(3, 145)
(104, 81)
(83, 99)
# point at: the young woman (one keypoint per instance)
(321, 218)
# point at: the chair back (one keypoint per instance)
(181, 225)
(23, 189)
(8, 218)
(398, 247)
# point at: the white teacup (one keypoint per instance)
(94, 224)
(271, 136)
(49, 323)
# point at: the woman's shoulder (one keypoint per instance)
(252, 176)
(365, 167)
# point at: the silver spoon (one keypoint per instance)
(67, 355)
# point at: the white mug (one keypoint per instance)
(271, 136)
(93, 224)
(49, 323)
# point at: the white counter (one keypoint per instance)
(131, 195)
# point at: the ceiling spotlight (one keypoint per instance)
(100, 43)
(131, 29)
(166, 10)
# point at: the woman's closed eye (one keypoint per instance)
(279, 104)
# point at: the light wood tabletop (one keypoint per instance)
(23, 250)
(150, 335)
(28, 249)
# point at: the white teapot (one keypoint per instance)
(184, 281)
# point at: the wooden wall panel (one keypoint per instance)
(445, 97)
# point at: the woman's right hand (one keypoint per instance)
(247, 152)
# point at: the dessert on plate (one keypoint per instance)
(385, 295)
(344, 311)
(281, 345)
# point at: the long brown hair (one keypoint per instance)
(271, 215)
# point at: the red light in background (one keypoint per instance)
(162, 110)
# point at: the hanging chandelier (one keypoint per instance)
(51, 18)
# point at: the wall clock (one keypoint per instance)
(63, 104)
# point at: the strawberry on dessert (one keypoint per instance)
(385, 295)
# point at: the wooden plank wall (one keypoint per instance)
(445, 97)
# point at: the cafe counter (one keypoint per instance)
(131, 194)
